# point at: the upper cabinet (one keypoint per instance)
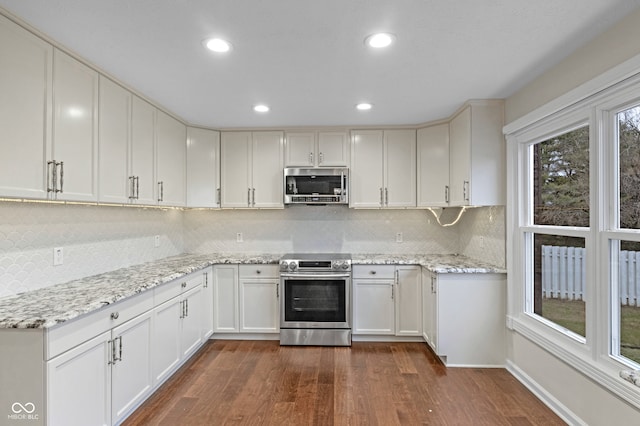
(74, 153)
(317, 149)
(26, 64)
(383, 169)
(477, 155)
(143, 143)
(433, 166)
(171, 160)
(251, 165)
(203, 168)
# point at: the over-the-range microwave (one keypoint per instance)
(319, 185)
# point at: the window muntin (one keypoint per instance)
(558, 281)
(561, 179)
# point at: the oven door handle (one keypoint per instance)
(315, 276)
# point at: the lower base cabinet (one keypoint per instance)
(464, 318)
(387, 300)
(246, 298)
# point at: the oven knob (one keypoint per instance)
(345, 266)
(284, 265)
(293, 266)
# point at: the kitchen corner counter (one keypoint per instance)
(439, 263)
(46, 307)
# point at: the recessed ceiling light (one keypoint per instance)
(217, 45)
(379, 40)
(261, 108)
(364, 106)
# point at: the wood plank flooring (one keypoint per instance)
(263, 383)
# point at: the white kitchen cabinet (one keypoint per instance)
(259, 299)
(466, 318)
(74, 153)
(25, 111)
(143, 160)
(171, 160)
(225, 299)
(433, 166)
(383, 169)
(387, 300)
(477, 155)
(246, 298)
(251, 169)
(317, 149)
(116, 185)
(131, 375)
(203, 168)
(79, 384)
(178, 321)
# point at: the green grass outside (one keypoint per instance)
(570, 314)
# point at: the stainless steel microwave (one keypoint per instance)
(318, 185)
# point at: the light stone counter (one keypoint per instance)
(53, 305)
(49, 306)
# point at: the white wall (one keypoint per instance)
(557, 381)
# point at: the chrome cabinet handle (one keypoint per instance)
(50, 175)
(258, 271)
(277, 290)
(311, 158)
(373, 272)
(320, 158)
(132, 188)
(465, 190)
(206, 280)
(392, 289)
(253, 197)
(249, 197)
(181, 309)
(120, 350)
(160, 191)
(115, 315)
(446, 193)
(183, 285)
(381, 197)
(113, 352)
(61, 190)
(386, 196)
(218, 196)
(137, 179)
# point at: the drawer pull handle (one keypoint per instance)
(115, 315)
(373, 272)
(258, 271)
(184, 284)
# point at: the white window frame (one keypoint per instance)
(598, 107)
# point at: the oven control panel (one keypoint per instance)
(328, 265)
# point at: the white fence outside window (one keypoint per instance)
(564, 274)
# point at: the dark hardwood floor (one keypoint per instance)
(262, 383)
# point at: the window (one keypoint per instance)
(625, 252)
(559, 198)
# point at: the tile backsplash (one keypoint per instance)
(97, 239)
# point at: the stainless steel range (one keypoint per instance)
(315, 307)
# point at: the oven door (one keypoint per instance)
(315, 301)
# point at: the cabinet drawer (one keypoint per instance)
(258, 271)
(374, 271)
(176, 287)
(70, 334)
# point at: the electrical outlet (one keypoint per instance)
(239, 237)
(398, 237)
(58, 256)
(156, 241)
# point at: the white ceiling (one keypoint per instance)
(307, 59)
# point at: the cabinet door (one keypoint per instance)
(203, 168)
(235, 187)
(192, 312)
(207, 314)
(300, 149)
(225, 299)
(460, 158)
(25, 85)
(408, 298)
(171, 160)
(333, 149)
(367, 186)
(79, 384)
(131, 374)
(400, 168)
(115, 183)
(75, 105)
(373, 307)
(166, 338)
(143, 119)
(259, 305)
(433, 166)
(267, 178)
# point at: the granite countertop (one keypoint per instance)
(47, 307)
